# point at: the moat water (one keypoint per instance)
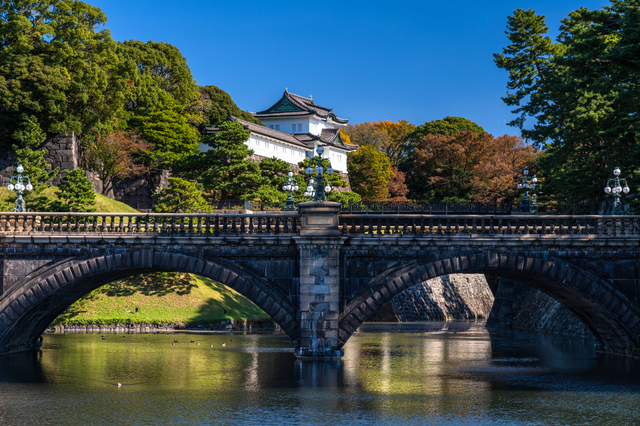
(417, 374)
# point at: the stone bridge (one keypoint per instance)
(318, 273)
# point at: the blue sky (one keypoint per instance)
(368, 60)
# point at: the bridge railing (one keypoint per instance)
(367, 225)
(153, 223)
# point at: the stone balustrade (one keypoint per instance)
(423, 225)
(149, 224)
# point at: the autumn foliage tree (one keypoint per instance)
(386, 136)
(114, 157)
(468, 166)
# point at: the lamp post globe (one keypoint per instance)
(290, 185)
(614, 186)
(318, 185)
(528, 204)
(16, 183)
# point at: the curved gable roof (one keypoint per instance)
(291, 105)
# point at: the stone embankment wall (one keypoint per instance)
(522, 307)
(63, 151)
(452, 297)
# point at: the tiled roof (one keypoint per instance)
(305, 106)
(326, 138)
(262, 130)
(303, 140)
(329, 135)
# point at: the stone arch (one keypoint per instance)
(33, 304)
(612, 318)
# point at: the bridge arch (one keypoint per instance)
(32, 304)
(612, 318)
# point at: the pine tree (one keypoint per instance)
(181, 196)
(31, 136)
(75, 193)
(224, 171)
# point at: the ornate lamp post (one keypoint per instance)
(16, 182)
(527, 183)
(290, 185)
(318, 184)
(613, 186)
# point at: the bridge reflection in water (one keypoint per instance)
(454, 373)
(320, 273)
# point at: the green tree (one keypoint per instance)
(171, 136)
(56, 66)
(30, 136)
(181, 197)
(224, 170)
(344, 197)
(158, 74)
(580, 92)
(369, 173)
(75, 193)
(218, 106)
(445, 126)
(275, 172)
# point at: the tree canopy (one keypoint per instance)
(467, 166)
(369, 172)
(445, 126)
(58, 66)
(218, 106)
(386, 136)
(580, 92)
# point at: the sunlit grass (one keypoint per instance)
(103, 204)
(162, 299)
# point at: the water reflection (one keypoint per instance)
(447, 373)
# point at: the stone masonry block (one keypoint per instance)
(319, 289)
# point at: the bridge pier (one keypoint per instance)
(319, 312)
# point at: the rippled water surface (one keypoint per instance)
(455, 373)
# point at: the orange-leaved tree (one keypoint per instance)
(115, 156)
(386, 136)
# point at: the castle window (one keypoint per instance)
(277, 127)
(271, 126)
(293, 128)
(299, 127)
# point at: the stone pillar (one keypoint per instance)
(318, 313)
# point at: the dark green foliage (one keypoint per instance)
(275, 172)
(344, 197)
(55, 66)
(181, 197)
(445, 126)
(30, 137)
(218, 106)
(162, 100)
(75, 193)
(581, 93)
(224, 170)
(158, 74)
(173, 139)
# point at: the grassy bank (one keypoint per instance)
(103, 204)
(161, 298)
